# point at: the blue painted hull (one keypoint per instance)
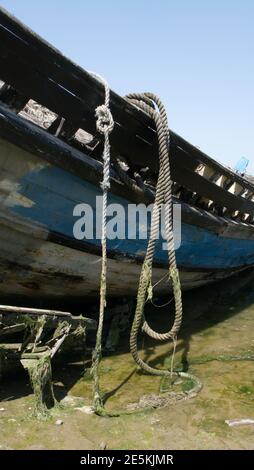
(42, 196)
(55, 193)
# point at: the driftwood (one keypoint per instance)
(8, 330)
(43, 334)
(38, 311)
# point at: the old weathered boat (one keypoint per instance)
(50, 165)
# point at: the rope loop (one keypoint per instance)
(151, 105)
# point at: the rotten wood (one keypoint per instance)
(8, 330)
(10, 309)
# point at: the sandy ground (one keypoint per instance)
(219, 323)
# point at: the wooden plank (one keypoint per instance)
(15, 310)
(70, 76)
(61, 128)
(9, 330)
(32, 311)
(200, 157)
(31, 138)
(72, 108)
(54, 88)
(211, 191)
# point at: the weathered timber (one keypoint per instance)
(9, 330)
(57, 152)
(33, 66)
(10, 309)
(33, 139)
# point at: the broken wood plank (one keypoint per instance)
(8, 330)
(10, 309)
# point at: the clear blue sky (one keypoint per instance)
(198, 55)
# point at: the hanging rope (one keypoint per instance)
(155, 109)
(104, 125)
(152, 105)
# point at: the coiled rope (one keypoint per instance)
(152, 105)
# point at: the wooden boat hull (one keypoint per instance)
(45, 171)
(41, 259)
(50, 271)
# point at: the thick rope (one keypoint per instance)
(105, 125)
(155, 109)
(152, 106)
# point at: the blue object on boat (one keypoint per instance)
(241, 165)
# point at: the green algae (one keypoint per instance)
(223, 362)
(245, 389)
(40, 374)
(188, 385)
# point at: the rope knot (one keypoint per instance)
(105, 121)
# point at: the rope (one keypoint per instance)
(152, 105)
(104, 125)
